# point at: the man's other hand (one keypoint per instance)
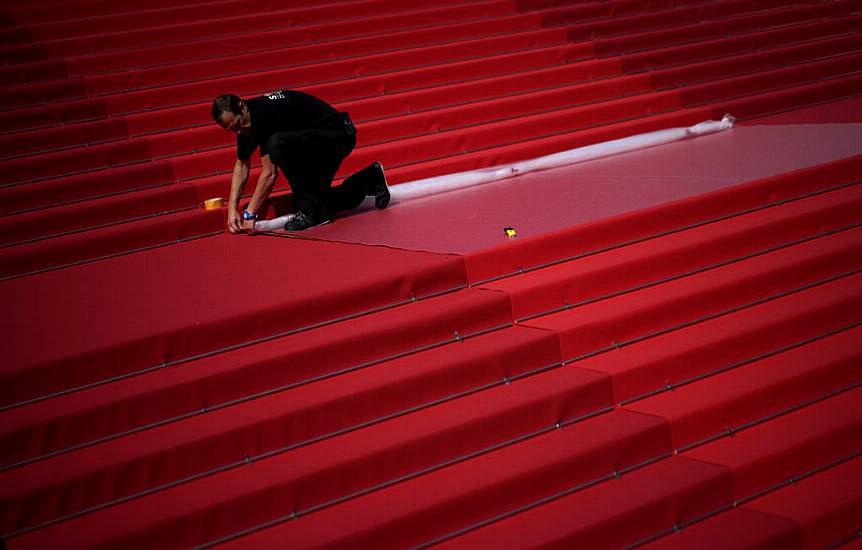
(234, 221)
(248, 226)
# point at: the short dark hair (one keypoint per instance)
(225, 103)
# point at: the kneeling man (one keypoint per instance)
(307, 139)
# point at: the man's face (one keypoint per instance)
(237, 124)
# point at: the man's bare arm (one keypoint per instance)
(237, 184)
(265, 183)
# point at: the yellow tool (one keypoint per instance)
(510, 232)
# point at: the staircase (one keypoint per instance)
(681, 376)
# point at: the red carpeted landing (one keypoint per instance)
(473, 219)
(166, 305)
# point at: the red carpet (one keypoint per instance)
(667, 355)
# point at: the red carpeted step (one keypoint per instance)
(299, 70)
(700, 45)
(128, 40)
(469, 139)
(788, 446)
(740, 528)
(709, 408)
(25, 95)
(112, 22)
(760, 61)
(698, 13)
(826, 506)
(62, 137)
(369, 388)
(257, 427)
(793, 19)
(202, 93)
(769, 38)
(95, 214)
(139, 150)
(123, 238)
(613, 514)
(62, 10)
(617, 321)
(201, 136)
(837, 66)
(203, 294)
(316, 474)
(647, 223)
(580, 281)
(437, 120)
(791, 98)
(460, 496)
(683, 356)
(265, 40)
(181, 95)
(533, 136)
(158, 19)
(21, 198)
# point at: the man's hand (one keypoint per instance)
(248, 227)
(234, 220)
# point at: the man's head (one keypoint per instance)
(231, 113)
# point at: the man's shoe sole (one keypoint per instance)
(324, 222)
(382, 196)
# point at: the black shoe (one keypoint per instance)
(301, 221)
(380, 189)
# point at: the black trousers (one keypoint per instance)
(309, 159)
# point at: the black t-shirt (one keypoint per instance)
(281, 111)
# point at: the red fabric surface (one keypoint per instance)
(122, 152)
(38, 256)
(345, 65)
(732, 23)
(53, 115)
(755, 391)
(523, 104)
(707, 347)
(755, 62)
(69, 189)
(200, 293)
(464, 494)
(613, 514)
(678, 253)
(200, 138)
(707, 49)
(600, 324)
(302, 50)
(768, 81)
(66, 163)
(60, 137)
(27, 15)
(346, 400)
(525, 253)
(791, 98)
(738, 528)
(105, 39)
(53, 221)
(790, 445)
(438, 88)
(827, 506)
(166, 454)
(835, 112)
(315, 474)
(389, 87)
